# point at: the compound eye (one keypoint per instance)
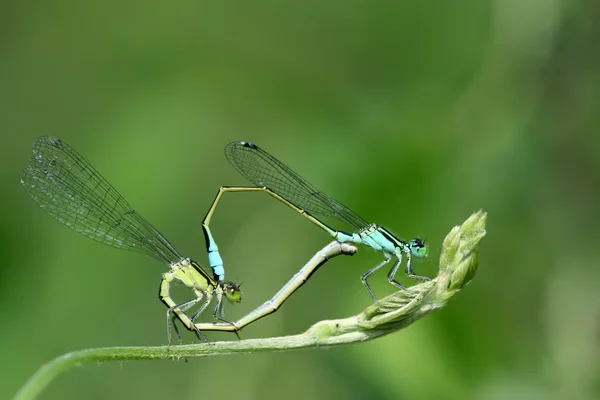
(418, 248)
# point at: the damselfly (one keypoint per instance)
(277, 180)
(68, 188)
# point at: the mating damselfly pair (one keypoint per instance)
(68, 188)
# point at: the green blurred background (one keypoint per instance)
(415, 114)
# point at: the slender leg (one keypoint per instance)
(199, 311)
(218, 314)
(169, 321)
(193, 319)
(178, 310)
(393, 271)
(364, 276)
(409, 271)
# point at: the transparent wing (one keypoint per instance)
(68, 188)
(264, 170)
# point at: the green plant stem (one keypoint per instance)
(458, 264)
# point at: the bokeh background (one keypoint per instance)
(415, 114)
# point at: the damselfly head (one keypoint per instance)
(418, 248)
(232, 292)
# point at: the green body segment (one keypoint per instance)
(277, 180)
(68, 188)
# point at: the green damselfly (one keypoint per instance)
(68, 188)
